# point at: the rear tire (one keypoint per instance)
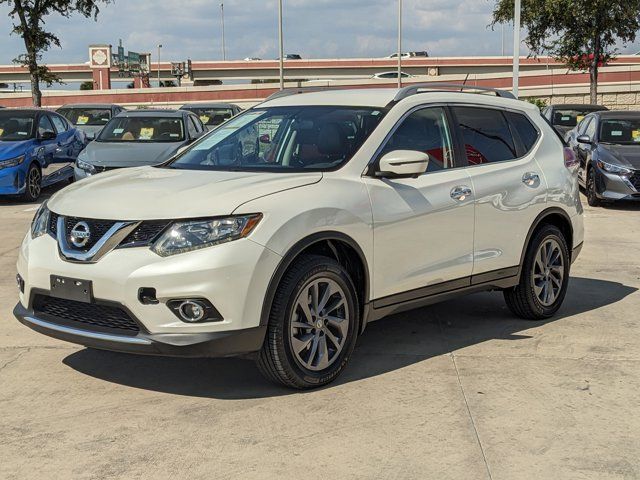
(33, 184)
(544, 277)
(313, 324)
(590, 190)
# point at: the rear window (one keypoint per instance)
(86, 116)
(522, 127)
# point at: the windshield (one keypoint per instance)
(16, 126)
(283, 139)
(212, 116)
(143, 129)
(86, 116)
(623, 132)
(569, 117)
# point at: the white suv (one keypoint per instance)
(285, 231)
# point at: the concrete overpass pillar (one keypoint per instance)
(100, 63)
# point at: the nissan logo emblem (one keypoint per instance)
(80, 234)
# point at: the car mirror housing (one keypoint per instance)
(584, 139)
(47, 135)
(403, 164)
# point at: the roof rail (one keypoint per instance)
(295, 91)
(435, 86)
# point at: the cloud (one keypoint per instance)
(312, 28)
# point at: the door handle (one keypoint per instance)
(531, 179)
(460, 193)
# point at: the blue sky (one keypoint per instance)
(313, 28)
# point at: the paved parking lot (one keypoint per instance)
(460, 390)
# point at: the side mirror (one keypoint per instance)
(264, 138)
(403, 163)
(47, 135)
(584, 139)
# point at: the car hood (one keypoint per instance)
(627, 155)
(148, 193)
(128, 154)
(13, 149)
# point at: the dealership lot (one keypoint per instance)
(457, 390)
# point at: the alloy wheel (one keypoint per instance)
(34, 183)
(319, 324)
(548, 272)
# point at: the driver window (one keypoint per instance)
(44, 125)
(426, 131)
(583, 126)
(591, 129)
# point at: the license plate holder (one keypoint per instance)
(71, 288)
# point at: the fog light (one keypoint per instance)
(194, 310)
(20, 282)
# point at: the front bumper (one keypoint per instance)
(610, 186)
(205, 344)
(12, 180)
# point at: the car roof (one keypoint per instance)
(619, 114)
(209, 105)
(153, 113)
(89, 105)
(383, 97)
(580, 106)
(30, 109)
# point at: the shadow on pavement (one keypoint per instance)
(45, 195)
(386, 345)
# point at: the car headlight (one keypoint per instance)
(12, 162)
(40, 222)
(608, 167)
(185, 236)
(87, 167)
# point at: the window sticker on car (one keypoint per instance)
(635, 134)
(566, 118)
(174, 135)
(579, 118)
(1, 131)
(228, 129)
(82, 120)
(146, 133)
(205, 118)
(616, 133)
(118, 131)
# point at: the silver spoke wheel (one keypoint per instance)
(33, 182)
(319, 324)
(548, 272)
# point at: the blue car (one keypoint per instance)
(37, 148)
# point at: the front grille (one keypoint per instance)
(635, 180)
(97, 227)
(144, 234)
(86, 316)
(53, 224)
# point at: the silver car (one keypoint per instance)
(89, 118)
(137, 138)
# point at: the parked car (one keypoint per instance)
(409, 54)
(389, 75)
(252, 59)
(566, 116)
(89, 118)
(346, 206)
(37, 149)
(291, 56)
(139, 137)
(212, 114)
(607, 143)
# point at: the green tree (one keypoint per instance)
(86, 85)
(28, 17)
(581, 33)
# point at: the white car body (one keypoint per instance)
(417, 243)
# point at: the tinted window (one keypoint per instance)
(486, 135)
(620, 131)
(143, 129)
(15, 125)
(591, 128)
(569, 117)
(426, 131)
(44, 125)
(86, 116)
(583, 125)
(60, 124)
(523, 128)
(212, 116)
(193, 131)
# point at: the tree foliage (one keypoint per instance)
(581, 33)
(29, 22)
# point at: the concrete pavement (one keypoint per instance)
(459, 390)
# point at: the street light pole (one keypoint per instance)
(224, 48)
(516, 47)
(159, 47)
(280, 46)
(399, 43)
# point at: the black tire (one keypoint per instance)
(522, 300)
(277, 360)
(33, 184)
(590, 190)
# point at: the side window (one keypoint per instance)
(523, 128)
(198, 123)
(44, 125)
(427, 131)
(591, 128)
(61, 125)
(193, 131)
(486, 135)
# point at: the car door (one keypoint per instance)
(508, 184)
(583, 150)
(46, 149)
(423, 227)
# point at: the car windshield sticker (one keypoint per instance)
(566, 118)
(616, 133)
(635, 135)
(82, 120)
(579, 118)
(146, 133)
(1, 131)
(174, 135)
(228, 129)
(118, 131)
(204, 118)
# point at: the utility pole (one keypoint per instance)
(159, 47)
(502, 43)
(224, 48)
(280, 46)
(516, 47)
(399, 43)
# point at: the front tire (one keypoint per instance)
(33, 184)
(544, 277)
(313, 324)
(592, 197)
